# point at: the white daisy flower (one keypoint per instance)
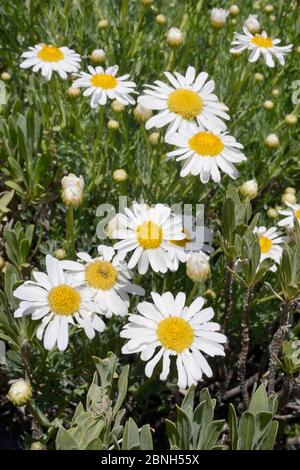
(195, 240)
(148, 233)
(292, 212)
(260, 44)
(205, 151)
(270, 242)
(58, 300)
(108, 280)
(188, 99)
(48, 59)
(102, 84)
(176, 330)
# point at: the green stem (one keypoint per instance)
(70, 232)
(39, 415)
(240, 84)
(193, 293)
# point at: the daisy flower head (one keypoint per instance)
(195, 239)
(147, 232)
(270, 242)
(48, 58)
(260, 44)
(167, 328)
(57, 299)
(187, 99)
(107, 279)
(102, 84)
(205, 152)
(291, 213)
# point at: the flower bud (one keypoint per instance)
(269, 8)
(197, 267)
(218, 17)
(20, 393)
(98, 56)
(103, 24)
(275, 92)
(120, 175)
(175, 38)
(249, 189)
(117, 107)
(290, 190)
(291, 119)
(72, 193)
(147, 3)
(2, 263)
(5, 76)
(234, 10)
(288, 197)
(252, 24)
(272, 141)
(161, 20)
(272, 213)
(73, 91)
(113, 225)
(37, 446)
(59, 253)
(259, 77)
(210, 294)
(154, 138)
(141, 114)
(113, 125)
(268, 104)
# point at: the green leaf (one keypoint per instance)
(146, 438)
(131, 439)
(246, 430)
(122, 389)
(233, 426)
(269, 441)
(184, 428)
(259, 401)
(64, 441)
(172, 433)
(213, 433)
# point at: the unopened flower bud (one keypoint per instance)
(2, 263)
(272, 141)
(234, 10)
(141, 114)
(103, 24)
(98, 56)
(210, 294)
(275, 92)
(269, 8)
(60, 253)
(288, 197)
(290, 190)
(147, 3)
(268, 104)
(249, 189)
(114, 225)
(73, 91)
(291, 119)
(252, 24)
(113, 125)
(117, 107)
(37, 446)
(259, 77)
(175, 38)
(218, 17)
(197, 267)
(154, 138)
(272, 213)
(161, 20)
(5, 76)
(20, 393)
(72, 193)
(120, 175)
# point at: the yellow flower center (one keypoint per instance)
(265, 244)
(149, 235)
(50, 54)
(187, 103)
(101, 275)
(206, 144)
(175, 333)
(64, 300)
(102, 80)
(260, 41)
(297, 214)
